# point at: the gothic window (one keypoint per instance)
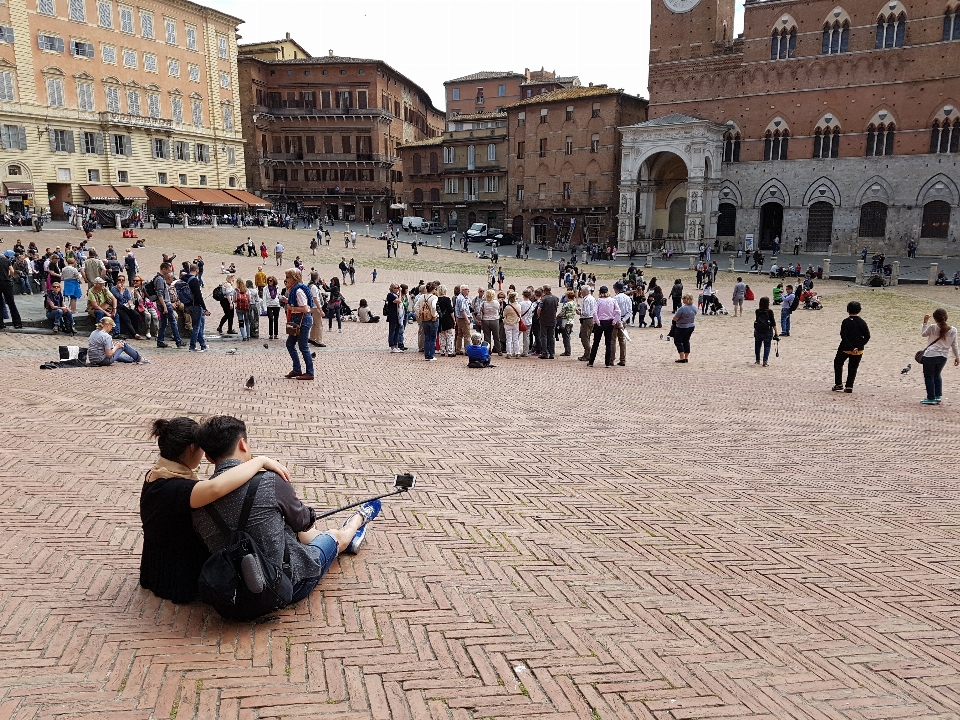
(951, 25)
(873, 220)
(775, 145)
(936, 219)
(945, 137)
(727, 220)
(783, 43)
(731, 147)
(880, 139)
(836, 37)
(826, 142)
(890, 30)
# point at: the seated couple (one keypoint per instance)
(179, 534)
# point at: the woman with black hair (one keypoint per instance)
(173, 554)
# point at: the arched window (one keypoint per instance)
(951, 25)
(775, 144)
(731, 147)
(418, 195)
(945, 136)
(417, 164)
(873, 220)
(826, 140)
(783, 43)
(890, 30)
(836, 37)
(880, 139)
(936, 219)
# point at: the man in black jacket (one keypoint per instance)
(281, 525)
(854, 335)
(6, 292)
(197, 309)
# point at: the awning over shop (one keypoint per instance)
(249, 198)
(209, 196)
(169, 196)
(313, 203)
(22, 189)
(100, 193)
(130, 192)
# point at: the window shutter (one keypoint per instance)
(128, 146)
(23, 138)
(53, 141)
(5, 137)
(98, 143)
(71, 146)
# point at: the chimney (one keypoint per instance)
(288, 36)
(331, 53)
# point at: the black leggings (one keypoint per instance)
(273, 318)
(603, 329)
(227, 316)
(838, 361)
(681, 338)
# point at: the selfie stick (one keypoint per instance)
(361, 502)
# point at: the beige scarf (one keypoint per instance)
(164, 468)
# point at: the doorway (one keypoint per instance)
(819, 227)
(518, 225)
(58, 194)
(771, 224)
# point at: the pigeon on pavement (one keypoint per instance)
(250, 383)
(906, 369)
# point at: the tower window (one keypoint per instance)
(945, 138)
(890, 31)
(731, 147)
(880, 139)
(951, 25)
(836, 38)
(776, 144)
(783, 43)
(826, 142)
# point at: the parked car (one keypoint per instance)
(431, 228)
(502, 239)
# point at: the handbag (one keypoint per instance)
(918, 357)
(293, 328)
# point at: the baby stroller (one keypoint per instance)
(713, 306)
(347, 314)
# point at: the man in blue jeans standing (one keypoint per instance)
(165, 307)
(425, 308)
(198, 311)
(785, 304)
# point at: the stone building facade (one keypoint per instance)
(324, 132)
(563, 165)
(491, 91)
(100, 93)
(460, 178)
(834, 122)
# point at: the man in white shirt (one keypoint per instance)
(463, 318)
(626, 311)
(588, 306)
(278, 251)
(316, 310)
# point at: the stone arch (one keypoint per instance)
(939, 187)
(772, 191)
(730, 193)
(784, 21)
(822, 190)
(944, 109)
(875, 188)
(25, 174)
(680, 191)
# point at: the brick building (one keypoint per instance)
(563, 165)
(461, 177)
(833, 122)
(323, 132)
(99, 99)
(491, 91)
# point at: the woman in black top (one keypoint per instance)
(447, 322)
(172, 553)
(764, 330)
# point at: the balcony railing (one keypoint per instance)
(285, 111)
(135, 121)
(331, 157)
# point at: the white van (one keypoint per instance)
(412, 223)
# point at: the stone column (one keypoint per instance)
(895, 277)
(367, 233)
(826, 268)
(625, 218)
(649, 260)
(549, 253)
(692, 262)
(213, 220)
(583, 257)
(932, 280)
(694, 218)
(731, 268)
(859, 271)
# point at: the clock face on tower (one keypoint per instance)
(680, 6)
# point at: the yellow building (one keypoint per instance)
(116, 97)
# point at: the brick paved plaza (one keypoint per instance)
(655, 541)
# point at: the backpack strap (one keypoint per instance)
(244, 511)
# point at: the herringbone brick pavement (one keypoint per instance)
(657, 541)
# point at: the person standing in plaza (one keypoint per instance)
(739, 293)
(161, 285)
(298, 301)
(786, 305)
(427, 318)
(685, 325)
(446, 323)
(316, 310)
(547, 314)
(198, 311)
(936, 353)
(854, 335)
(588, 307)
(278, 253)
(6, 293)
(619, 331)
(226, 293)
(764, 330)
(490, 321)
(463, 318)
(392, 308)
(676, 294)
(568, 313)
(605, 316)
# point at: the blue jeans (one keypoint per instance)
(429, 338)
(243, 319)
(99, 315)
(657, 309)
(327, 550)
(199, 320)
(394, 333)
(25, 286)
(60, 318)
(334, 311)
(125, 354)
(295, 342)
(765, 342)
(168, 317)
(785, 320)
(932, 366)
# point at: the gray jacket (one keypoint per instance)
(275, 519)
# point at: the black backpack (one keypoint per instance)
(184, 292)
(239, 582)
(796, 301)
(151, 287)
(762, 325)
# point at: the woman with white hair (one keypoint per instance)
(478, 351)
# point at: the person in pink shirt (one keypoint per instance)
(605, 318)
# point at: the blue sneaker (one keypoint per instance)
(369, 510)
(357, 541)
(927, 401)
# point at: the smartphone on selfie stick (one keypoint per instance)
(401, 483)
